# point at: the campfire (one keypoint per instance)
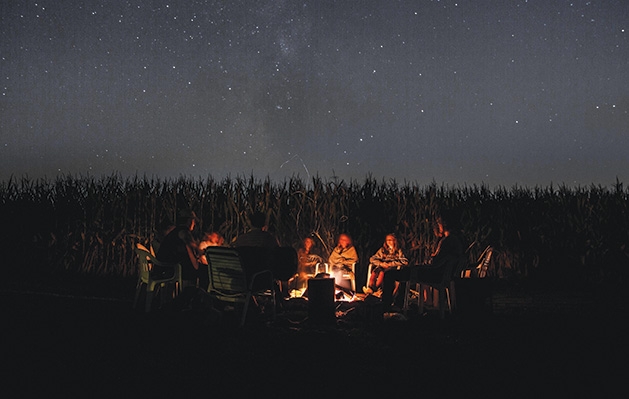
(341, 293)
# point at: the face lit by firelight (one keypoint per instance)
(391, 241)
(344, 241)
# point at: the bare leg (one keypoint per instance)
(378, 282)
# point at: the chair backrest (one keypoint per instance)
(227, 277)
(144, 260)
(283, 263)
(254, 259)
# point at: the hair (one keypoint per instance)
(384, 244)
(449, 220)
(310, 239)
(213, 235)
(186, 217)
(257, 219)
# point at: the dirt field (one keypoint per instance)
(79, 346)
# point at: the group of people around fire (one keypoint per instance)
(388, 266)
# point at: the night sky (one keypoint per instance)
(501, 92)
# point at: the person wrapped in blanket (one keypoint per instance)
(343, 258)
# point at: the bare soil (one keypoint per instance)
(71, 344)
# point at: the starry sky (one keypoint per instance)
(496, 92)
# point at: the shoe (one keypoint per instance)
(367, 290)
(378, 293)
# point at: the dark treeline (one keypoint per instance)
(89, 225)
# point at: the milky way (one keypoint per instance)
(458, 92)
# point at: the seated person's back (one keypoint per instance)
(257, 236)
(179, 246)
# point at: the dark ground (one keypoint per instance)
(61, 343)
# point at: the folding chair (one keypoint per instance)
(445, 288)
(151, 279)
(230, 283)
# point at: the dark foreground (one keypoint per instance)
(75, 346)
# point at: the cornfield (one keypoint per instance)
(89, 225)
